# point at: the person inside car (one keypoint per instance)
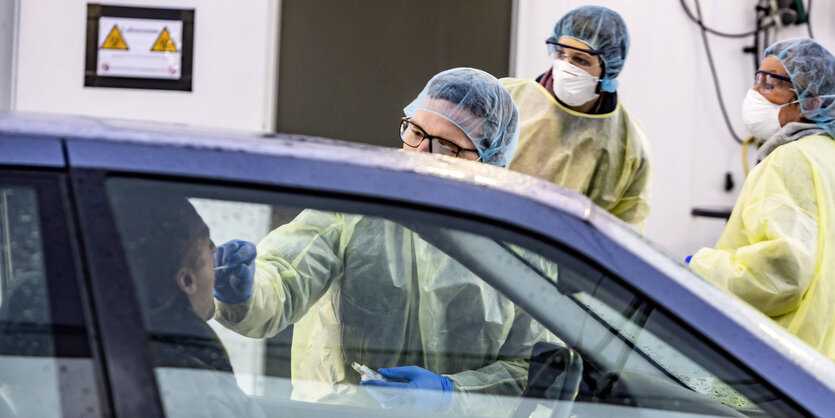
(170, 256)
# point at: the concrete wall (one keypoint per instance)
(235, 46)
(667, 84)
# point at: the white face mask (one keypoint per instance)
(761, 117)
(572, 85)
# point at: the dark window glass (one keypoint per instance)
(34, 375)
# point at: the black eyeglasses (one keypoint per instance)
(413, 135)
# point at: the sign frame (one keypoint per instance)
(96, 11)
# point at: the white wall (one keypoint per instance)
(667, 84)
(235, 48)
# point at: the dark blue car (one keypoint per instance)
(616, 327)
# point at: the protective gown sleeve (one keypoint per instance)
(505, 378)
(295, 265)
(633, 207)
(509, 374)
(767, 253)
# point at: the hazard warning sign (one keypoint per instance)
(114, 40)
(146, 38)
(139, 47)
(164, 42)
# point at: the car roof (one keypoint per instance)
(111, 144)
(36, 126)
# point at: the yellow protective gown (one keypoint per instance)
(778, 249)
(368, 290)
(605, 157)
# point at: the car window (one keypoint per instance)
(633, 353)
(36, 363)
(24, 302)
(343, 288)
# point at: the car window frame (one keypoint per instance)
(125, 354)
(532, 240)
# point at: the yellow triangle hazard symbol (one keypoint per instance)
(164, 43)
(114, 40)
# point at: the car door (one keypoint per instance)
(48, 358)
(522, 324)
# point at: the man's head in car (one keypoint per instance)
(169, 253)
(170, 257)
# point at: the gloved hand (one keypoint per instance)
(687, 259)
(422, 391)
(233, 282)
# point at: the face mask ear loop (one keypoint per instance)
(797, 98)
(789, 103)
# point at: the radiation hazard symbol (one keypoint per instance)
(114, 40)
(164, 43)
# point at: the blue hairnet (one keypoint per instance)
(479, 105)
(603, 30)
(812, 70)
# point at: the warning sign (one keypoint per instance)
(114, 40)
(139, 47)
(164, 43)
(147, 38)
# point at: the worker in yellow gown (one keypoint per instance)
(368, 290)
(777, 251)
(574, 131)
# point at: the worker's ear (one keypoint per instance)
(811, 103)
(186, 281)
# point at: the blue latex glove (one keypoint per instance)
(420, 389)
(687, 259)
(235, 271)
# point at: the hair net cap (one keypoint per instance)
(479, 105)
(812, 71)
(603, 30)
